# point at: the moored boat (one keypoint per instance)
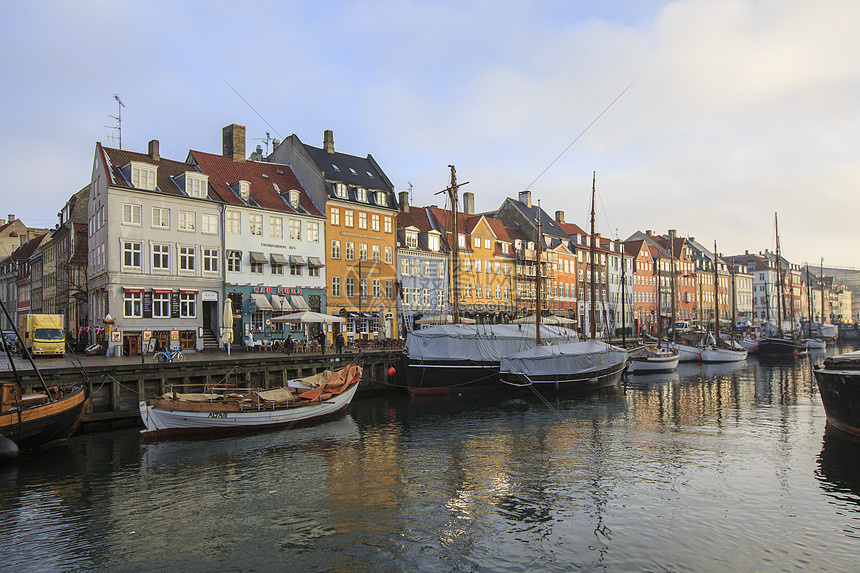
(838, 381)
(648, 360)
(712, 354)
(238, 409)
(32, 420)
(780, 347)
(572, 366)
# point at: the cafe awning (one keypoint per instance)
(315, 262)
(261, 301)
(279, 259)
(258, 257)
(297, 260)
(298, 302)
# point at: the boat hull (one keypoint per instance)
(568, 382)
(780, 347)
(45, 423)
(160, 422)
(443, 377)
(840, 394)
(718, 355)
(653, 364)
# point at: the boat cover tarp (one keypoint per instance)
(336, 384)
(480, 342)
(275, 395)
(191, 396)
(569, 358)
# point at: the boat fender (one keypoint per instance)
(53, 392)
(8, 449)
(392, 371)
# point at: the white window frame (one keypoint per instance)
(335, 249)
(161, 305)
(335, 216)
(348, 218)
(295, 230)
(208, 224)
(388, 225)
(255, 224)
(276, 227)
(161, 255)
(210, 260)
(187, 221)
(362, 220)
(160, 218)
(187, 305)
(132, 305)
(234, 261)
(234, 222)
(187, 259)
(132, 214)
(131, 250)
(335, 286)
(313, 232)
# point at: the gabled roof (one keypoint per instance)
(350, 169)
(635, 247)
(270, 182)
(549, 226)
(114, 159)
(26, 250)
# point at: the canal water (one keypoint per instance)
(712, 468)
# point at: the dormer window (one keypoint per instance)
(361, 194)
(412, 239)
(245, 191)
(143, 176)
(531, 245)
(294, 199)
(196, 185)
(518, 244)
(340, 190)
(380, 198)
(433, 242)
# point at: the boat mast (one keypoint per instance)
(623, 294)
(808, 303)
(538, 278)
(821, 282)
(780, 302)
(673, 314)
(659, 305)
(716, 298)
(455, 245)
(593, 255)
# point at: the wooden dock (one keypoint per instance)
(118, 385)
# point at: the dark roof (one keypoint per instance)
(352, 170)
(26, 250)
(549, 226)
(115, 159)
(80, 254)
(270, 182)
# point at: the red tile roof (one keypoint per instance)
(80, 254)
(115, 159)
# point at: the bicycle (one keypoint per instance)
(168, 356)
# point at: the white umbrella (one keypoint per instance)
(307, 316)
(444, 319)
(545, 320)
(227, 336)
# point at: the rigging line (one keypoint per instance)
(252, 108)
(581, 133)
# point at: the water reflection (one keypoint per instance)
(839, 467)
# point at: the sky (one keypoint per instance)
(704, 116)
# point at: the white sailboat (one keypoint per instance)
(720, 351)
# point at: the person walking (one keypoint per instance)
(322, 339)
(288, 346)
(338, 343)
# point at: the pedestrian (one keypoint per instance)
(289, 345)
(322, 340)
(338, 342)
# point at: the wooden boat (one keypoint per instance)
(720, 350)
(219, 408)
(838, 381)
(648, 360)
(712, 354)
(32, 420)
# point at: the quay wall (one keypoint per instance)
(117, 388)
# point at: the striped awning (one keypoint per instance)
(315, 262)
(261, 301)
(258, 257)
(279, 259)
(298, 302)
(297, 260)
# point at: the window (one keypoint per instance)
(467, 290)
(461, 241)
(479, 290)
(277, 268)
(362, 252)
(440, 298)
(426, 272)
(361, 194)
(467, 264)
(256, 268)
(187, 220)
(132, 305)
(160, 305)
(497, 267)
(295, 230)
(362, 220)
(499, 292)
(187, 305)
(160, 217)
(487, 243)
(374, 222)
(350, 287)
(362, 287)
(210, 260)
(313, 232)
(426, 297)
(234, 222)
(143, 177)
(404, 267)
(209, 224)
(313, 271)
(335, 286)
(405, 295)
(488, 267)
(160, 257)
(195, 187)
(388, 224)
(276, 227)
(335, 216)
(131, 254)
(507, 293)
(477, 265)
(186, 258)
(340, 190)
(295, 270)
(377, 288)
(440, 270)
(411, 239)
(255, 224)
(389, 288)
(335, 249)
(416, 296)
(234, 261)
(131, 214)
(389, 256)
(350, 251)
(348, 218)
(477, 243)
(374, 253)
(433, 242)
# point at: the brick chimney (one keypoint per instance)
(153, 150)
(648, 232)
(559, 217)
(404, 201)
(526, 197)
(328, 141)
(233, 142)
(469, 203)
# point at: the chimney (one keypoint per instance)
(275, 144)
(648, 232)
(153, 150)
(233, 142)
(672, 233)
(328, 141)
(404, 201)
(559, 216)
(469, 203)
(2, 222)
(526, 197)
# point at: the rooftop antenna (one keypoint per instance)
(118, 118)
(266, 139)
(410, 193)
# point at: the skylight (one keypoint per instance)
(336, 168)
(265, 176)
(353, 171)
